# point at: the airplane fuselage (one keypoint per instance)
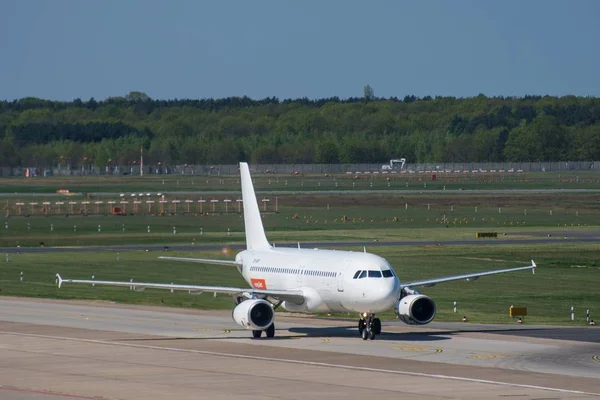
(331, 280)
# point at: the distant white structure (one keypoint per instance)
(392, 164)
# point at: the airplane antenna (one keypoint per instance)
(365, 249)
(298, 244)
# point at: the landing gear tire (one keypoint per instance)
(364, 334)
(256, 334)
(270, 331)
(376, 326)
(361, 326)
(369, 327)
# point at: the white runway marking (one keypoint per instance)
(310, 363)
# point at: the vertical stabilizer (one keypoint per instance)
(255, 233)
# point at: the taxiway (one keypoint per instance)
(53, 349)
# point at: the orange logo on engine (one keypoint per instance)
(258, 283)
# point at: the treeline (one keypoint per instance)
(43, 133)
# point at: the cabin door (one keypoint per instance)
(340, 276)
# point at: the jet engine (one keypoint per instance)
(256, 314)
(416, 309)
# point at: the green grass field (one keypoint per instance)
(321, 217)
(324, 182)
(566, 275)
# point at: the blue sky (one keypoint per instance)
(66, 49)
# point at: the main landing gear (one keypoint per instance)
(369, 326)
(269, 332)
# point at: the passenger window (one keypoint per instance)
(356, 274)
(374, 274)
(387, 273)
(363, 274)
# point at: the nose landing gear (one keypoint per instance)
(369, 326)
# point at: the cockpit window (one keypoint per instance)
(363, 274)
(374, 274)
(387, 273)
(356, 274)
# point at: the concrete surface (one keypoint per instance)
(55, 349)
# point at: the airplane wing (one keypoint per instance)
(204, 261)
(469, 277)
(293, 296)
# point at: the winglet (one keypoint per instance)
(59, 280)
(534, 266)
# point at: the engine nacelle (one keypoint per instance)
(255, 314)
(416, 309)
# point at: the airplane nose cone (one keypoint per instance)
(388, 293)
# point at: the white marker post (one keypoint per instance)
(454, 309)
(572, 314)
(265, 201)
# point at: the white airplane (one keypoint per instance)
(309, 280)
